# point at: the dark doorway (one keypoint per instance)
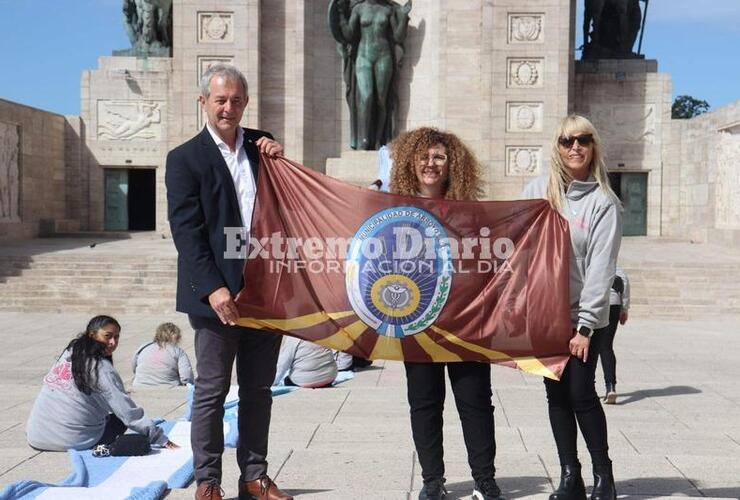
(631, 188)
(130, 199)
(141, 199)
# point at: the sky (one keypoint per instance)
(51, 42)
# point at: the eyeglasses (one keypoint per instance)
(437, 159)
(583, 140)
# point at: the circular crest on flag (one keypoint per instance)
(399, 271)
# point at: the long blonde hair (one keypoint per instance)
(559, 176)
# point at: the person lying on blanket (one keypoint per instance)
(82, 402)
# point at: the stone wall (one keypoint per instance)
(32, 171)
(494, 72)
(125, 120)
(701, 190)
(629, 102)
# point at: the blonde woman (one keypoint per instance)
(434, 164)
(577, 187)
(162, 361)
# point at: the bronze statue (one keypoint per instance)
(610, 28)
(149, 27)
(370, 36)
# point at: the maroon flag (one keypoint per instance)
(383, 276)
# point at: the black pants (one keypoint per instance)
(606, 346)
(471, 386)
(574, 399)
(256, 353)
(114, 427)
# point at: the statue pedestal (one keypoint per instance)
(355, 167)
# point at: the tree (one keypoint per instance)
(686, 106)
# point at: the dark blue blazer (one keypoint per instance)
(201, 201)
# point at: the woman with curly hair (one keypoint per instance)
(434, 164)
(577, 186)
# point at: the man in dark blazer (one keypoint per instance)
(211, 185)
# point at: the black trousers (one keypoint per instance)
(606, 346)
(256, 353)
(471, 386)
(574, 399)
(114, 427)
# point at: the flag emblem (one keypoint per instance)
(399, 271)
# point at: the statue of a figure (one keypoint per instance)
(610, 28)
(149, 27)
(370, 36)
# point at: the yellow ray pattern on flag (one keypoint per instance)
(529, 364)
(293, 323)
(344, 337)
(435, 351)
(387, 348)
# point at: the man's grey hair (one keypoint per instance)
(228, 72)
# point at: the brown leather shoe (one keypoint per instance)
(209, 491)
(261, 489)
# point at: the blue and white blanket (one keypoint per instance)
(117, 478)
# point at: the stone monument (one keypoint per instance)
(370, 37)
(148, 25)
(610, 28)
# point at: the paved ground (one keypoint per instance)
(675, 431)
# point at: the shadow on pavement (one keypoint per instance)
(674, 390)
(647, 487)
(511, 487)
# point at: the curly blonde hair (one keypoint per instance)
(167, 333)
(464, 180)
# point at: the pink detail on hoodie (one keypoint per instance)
(580, 223)
(60, 376)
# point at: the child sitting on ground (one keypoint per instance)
(162, 361)
(304, 364)
(82, 402)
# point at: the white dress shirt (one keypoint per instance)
(241, 173)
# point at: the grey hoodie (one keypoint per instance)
(65, 418)
(307, 364)
(595, 220)
(161, 365)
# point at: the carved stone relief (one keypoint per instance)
(524, 116)
(628, 123)
(523, 160)
(526, 28)
(9, 173)
(727, 186)
(215, 27)
(130, 120)
(205, 62)
(525, 73)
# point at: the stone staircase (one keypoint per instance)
(121, 281)
(681, 280)
(669, 279)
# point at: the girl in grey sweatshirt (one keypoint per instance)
(577, 186)
(162, 361)
(82, 402)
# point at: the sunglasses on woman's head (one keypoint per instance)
(583, 140)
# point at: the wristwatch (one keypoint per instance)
(585, 331)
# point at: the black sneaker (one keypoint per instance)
(487, 489)
(433, 490)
